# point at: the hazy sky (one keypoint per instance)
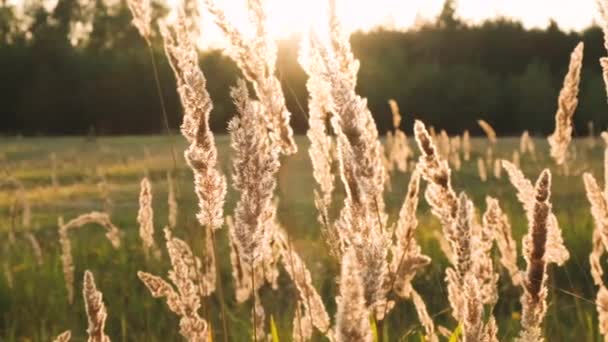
(289, 16)
(292, 16)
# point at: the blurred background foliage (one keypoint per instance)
(446, 72)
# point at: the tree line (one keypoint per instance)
(445, 72)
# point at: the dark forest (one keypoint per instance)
(446, 72)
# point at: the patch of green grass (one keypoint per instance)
(36, 308)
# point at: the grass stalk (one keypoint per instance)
(220, 288)
(163, 108)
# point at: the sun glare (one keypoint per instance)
(288, 17)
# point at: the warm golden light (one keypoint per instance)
(287, 17)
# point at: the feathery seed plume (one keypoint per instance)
(566, 105)
(460, 241)
(497, 169)
(113, 235)
(241, 272)
(201, 154)
(496, 221)
(407, 254)
(515, 159)
(362, 220)
(488, 130)
(322, 144)
(352, 120)
(302, 329)
(66, 259)
(256, 57)
(142, 15)
(424, 317)
(597, 250)
(481, 169)
(145, 217)
(455, 144)
(466, 145)
(455, 147)
(482, 241)
(395, 111)
(300, 275)
(491, 330)
(255, 163)
(606, 170)
(171, 201)
(533, 300)
(186, 301)
(258, 318)
(601, 303)
(433, 134)
(603, 10)
(599, 211)
(455, 215)
(209, 276)
(352, 321)
(523, 142)
(63, 337)
(443, 144)
(473, 327)
(398, 150)
(433, 169)
(439, 193)
(489, 156)
(555, 252)
(192, 17)
(96, 310)
(526, 144)
(599, 207)
(604, 136)
(455, 161)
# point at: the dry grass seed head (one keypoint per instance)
(145, 217)
(255, 164)
(535, 245)
(63, 337)
(142, 15)
(256, 57)
(352, 317)
(201, 154)
(556, 252)
(566, 105)
(488, 130)
(497, 222)
(407, 255)
(171, 202)
(186, 301)
(95, 308)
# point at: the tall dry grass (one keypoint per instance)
(566, 106)
(377, 255)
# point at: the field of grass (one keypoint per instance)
(36, 307)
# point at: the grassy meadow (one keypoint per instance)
(35, 307)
